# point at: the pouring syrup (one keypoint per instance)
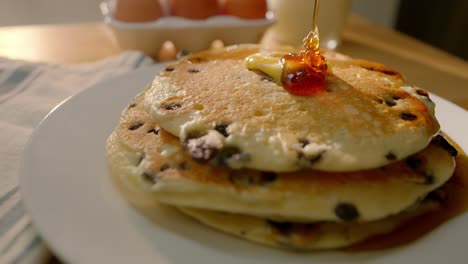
(304, 74)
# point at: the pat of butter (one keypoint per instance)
(267, 63)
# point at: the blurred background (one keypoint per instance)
(443, 24)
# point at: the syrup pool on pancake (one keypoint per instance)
(302, 74)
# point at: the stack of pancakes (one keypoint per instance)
(233, 149)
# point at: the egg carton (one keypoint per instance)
(186, 34)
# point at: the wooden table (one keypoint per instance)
(422, 64)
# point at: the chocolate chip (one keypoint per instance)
(200, 150)
(408, 116)
(438, 195)
(390, 102)
(250, 178)
(154, 131)
(171, 106)
(194, 70)
(422, 92)
(132, 105)
(429, 178)
(379, 100)
(396, 97)
(149, 177)
(419, 166)
(304, 142)
(222, 129)
(169, 69)
(184, 166)
(442, 142)
(135, 126)
(268, 177)
(391, 156)
(231, 153)
(283, 228)
(346, 212)
(414, 163)
(165, 167)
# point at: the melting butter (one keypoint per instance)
(267, 63)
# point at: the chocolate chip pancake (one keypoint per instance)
(271, 232)
(146, 158)
(366, 117)
(304, 236)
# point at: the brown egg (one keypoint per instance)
(193, 9)
(248, 9)
(138, 10)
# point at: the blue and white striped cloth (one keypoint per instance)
(28, 91)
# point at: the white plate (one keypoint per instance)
(68, 192)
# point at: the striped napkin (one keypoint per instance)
(28, 91)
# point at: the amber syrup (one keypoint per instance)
(304, 74)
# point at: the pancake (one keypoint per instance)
(147, 159)
(227, 115)
(271, 232)
(304, 236)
